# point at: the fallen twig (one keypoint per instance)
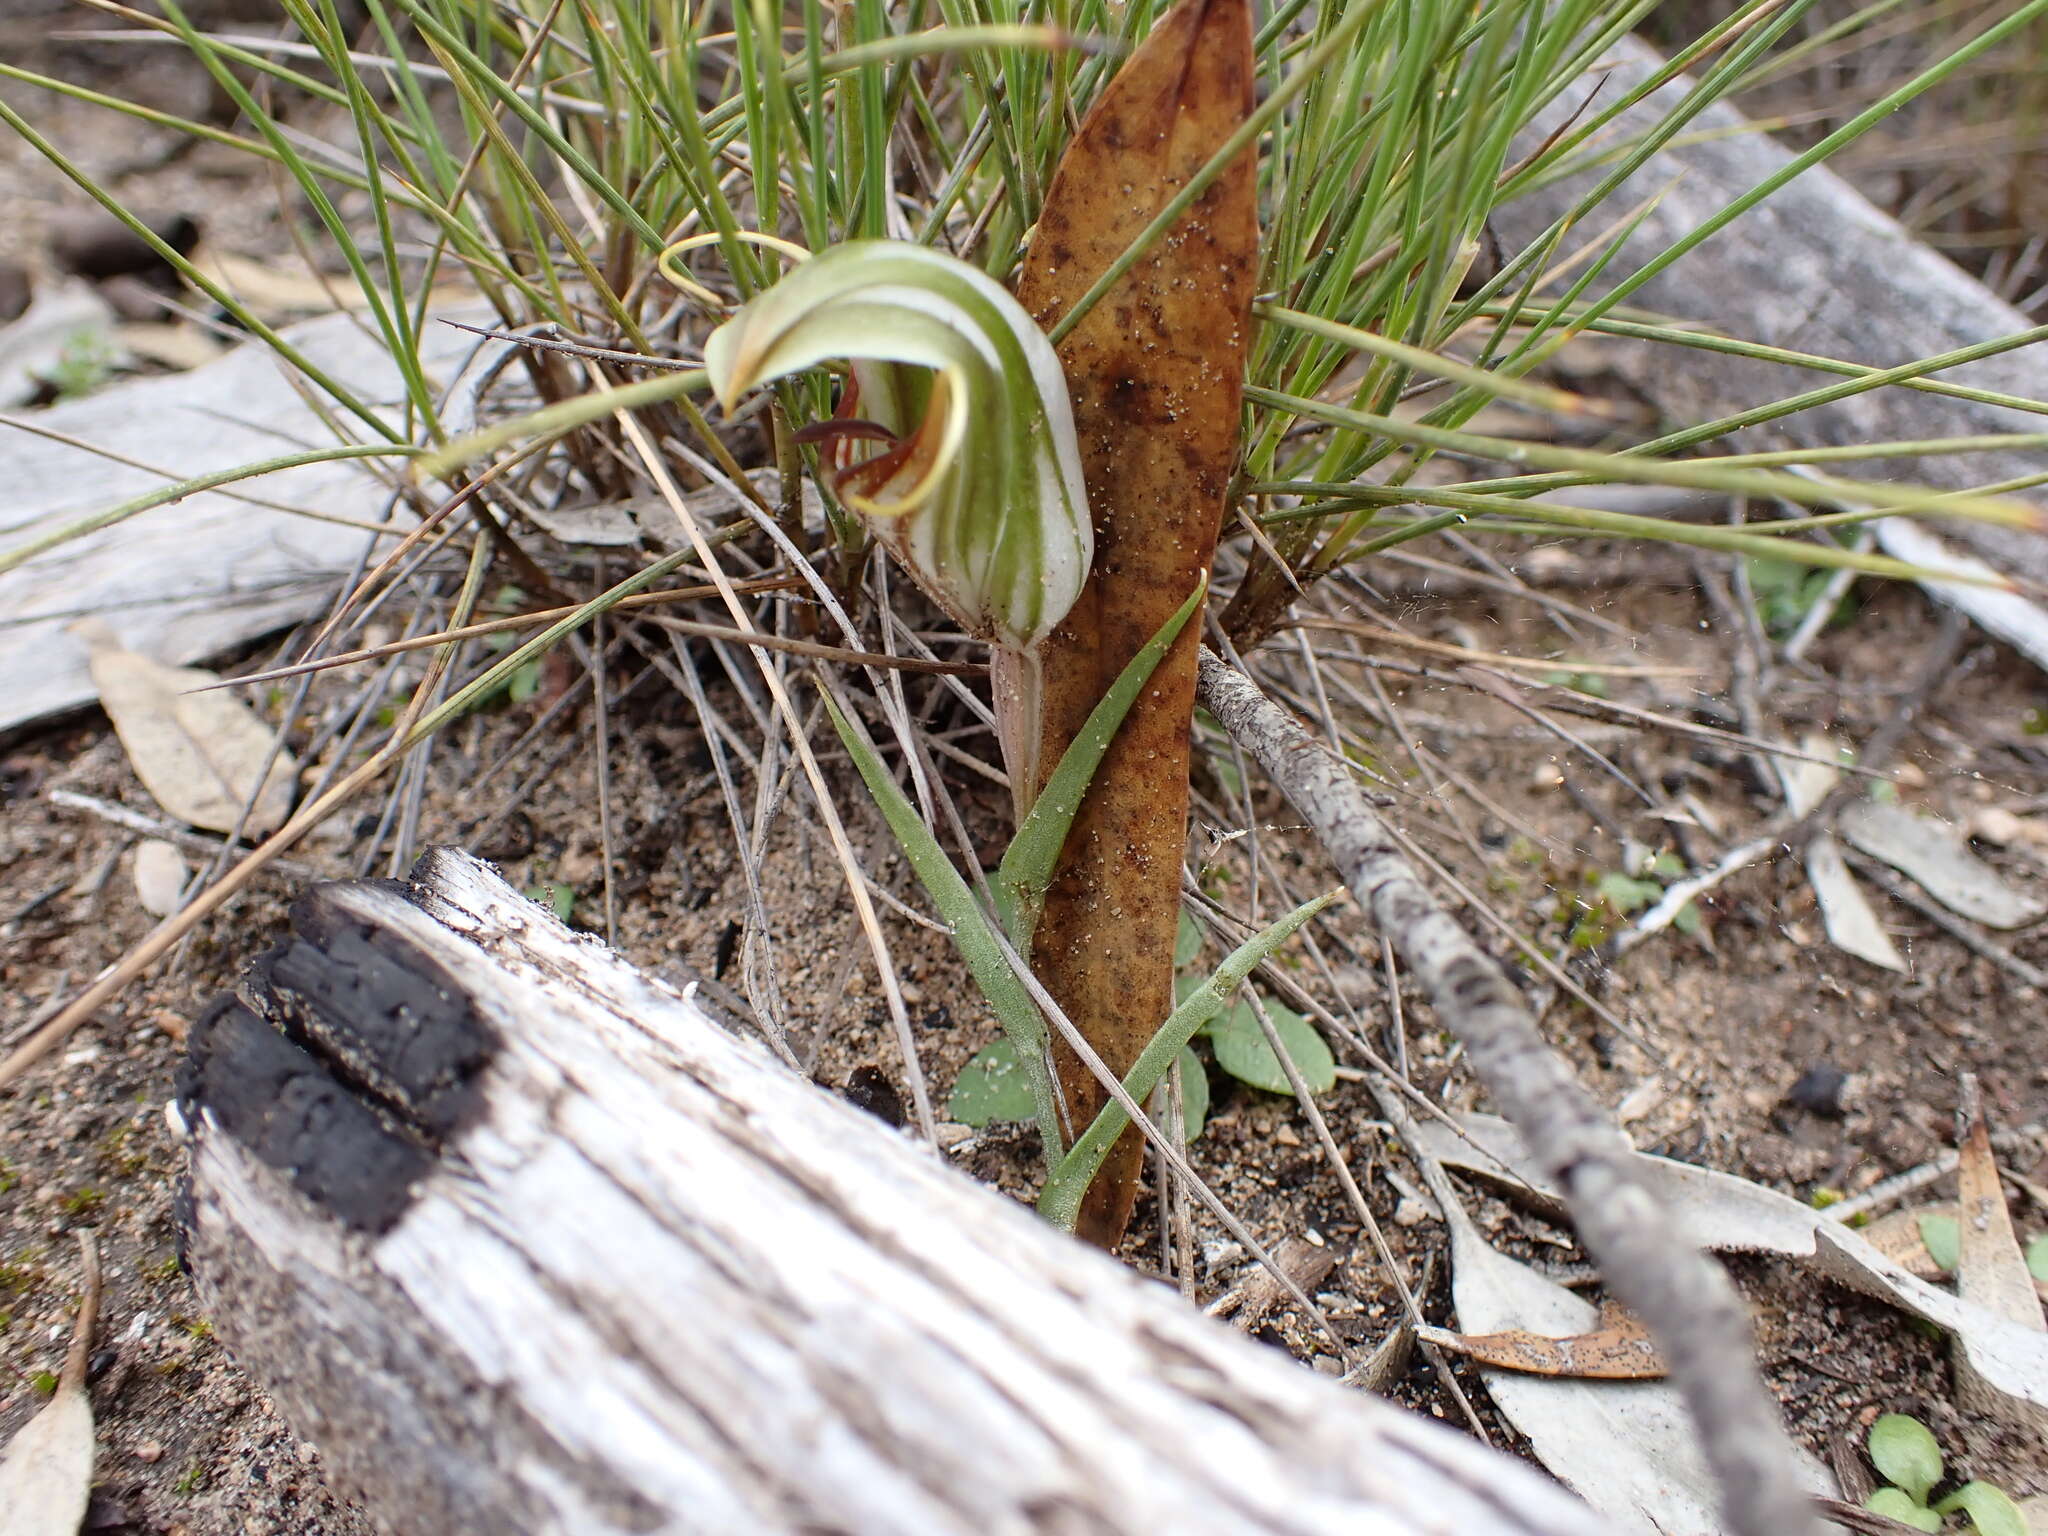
(1678, 896)
(1685, 1299)
(132, 820)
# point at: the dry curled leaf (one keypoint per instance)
(46, 1470)
(1619, 1350)
(2002, 1365)
(1852, 922)
(202, 756)
(1936, 856)
(1628, 1448)
(1155, 371)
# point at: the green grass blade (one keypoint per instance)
(2009, 25)
(554, 420)
(1704, 474)
(976, 940)
(1909, 376)
(1060, 1201)
(1247, 134)
(332, 387)
(21, 554)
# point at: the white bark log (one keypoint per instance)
(571, 1258)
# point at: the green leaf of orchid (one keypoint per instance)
(1243, 1051)
(1897, 1505)
(976, 486)
(1991, 1510)
(973, 934)
(1060, 1201)
(1903, 1450)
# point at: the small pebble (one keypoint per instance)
(1217, 1253)
(148, 1452)
(1820, 1091)
(869, 1088)
(1411, 1213)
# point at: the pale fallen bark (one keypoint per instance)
(1685, 1299)
(528, 1244)
(182, 583)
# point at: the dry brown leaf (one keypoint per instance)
(1852, 922)
(1156, 372)
(275, 292)
(1936, 856)
(201, 755)
(1898, 1237)
(2002, 1365)
(179, 346)
(1628, 1448)
(1619, 1350)
(46, 1470)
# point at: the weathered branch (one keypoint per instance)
(529, 1244)
(1685, 1299)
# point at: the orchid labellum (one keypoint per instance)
(953, 441)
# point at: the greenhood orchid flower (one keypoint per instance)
(953, 441)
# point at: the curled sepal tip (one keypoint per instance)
(953, 440)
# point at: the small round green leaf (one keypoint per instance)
(1187, 943)
(1894, 1504)
(1943, 1239)
(1626, 894)
(558, 899)
(1241, 1049)
(1991, 1512)
(991, 1087)
(2037, 1257)
(1903, 1449)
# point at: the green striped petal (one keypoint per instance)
(954, 442)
